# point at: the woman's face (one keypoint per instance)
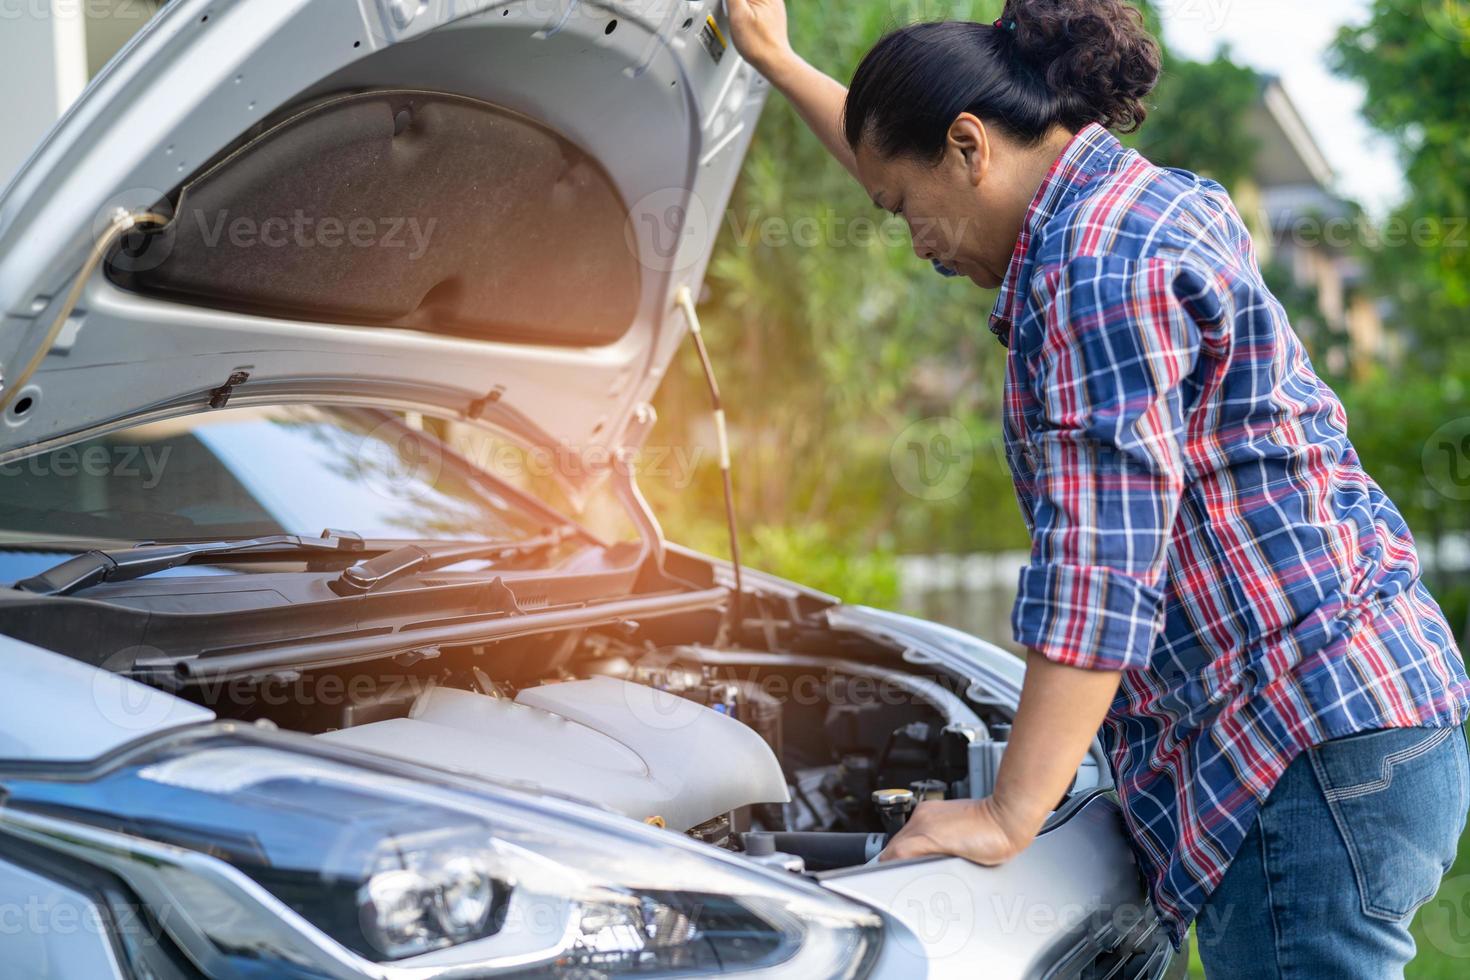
(959, 209)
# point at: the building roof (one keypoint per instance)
(1288, 154)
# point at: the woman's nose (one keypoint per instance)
(923, 247)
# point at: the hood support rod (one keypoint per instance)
(685, 300)
(122, 223)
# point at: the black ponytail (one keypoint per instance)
(1045, 62)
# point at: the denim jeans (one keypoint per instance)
(1354, 838)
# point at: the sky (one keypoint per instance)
(1289, 38)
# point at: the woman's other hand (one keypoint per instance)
(760, 33)
(976, 830)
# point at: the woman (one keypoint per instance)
(1214, 580)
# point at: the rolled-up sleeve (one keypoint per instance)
(1109, 375)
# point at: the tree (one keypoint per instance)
(834, 343)
(1412, 57)
(1412, 426)
(1197, 117)
(831, 338)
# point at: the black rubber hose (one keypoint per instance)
(825, 850)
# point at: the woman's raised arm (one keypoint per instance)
(760, 34)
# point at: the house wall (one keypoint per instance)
(43, 68)
(49, 50)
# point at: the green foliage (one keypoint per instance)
(1413, 57)
(830, 337)
(1399, 423)
(812, 556)
(1197, 116)
(1197, 112)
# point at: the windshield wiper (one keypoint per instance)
(95, 567)
(367, 575)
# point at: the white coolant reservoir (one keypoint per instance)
(641, 752)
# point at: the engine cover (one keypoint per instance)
(641, 752)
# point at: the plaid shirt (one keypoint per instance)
(1199, 518)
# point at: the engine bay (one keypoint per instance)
(806, 761)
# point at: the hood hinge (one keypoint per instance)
(220, 397)
(477, 407)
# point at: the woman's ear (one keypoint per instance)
(969, 141)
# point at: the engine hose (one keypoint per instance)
(824, 850)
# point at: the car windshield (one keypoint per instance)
(250, 472)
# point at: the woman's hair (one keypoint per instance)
(1071, 62)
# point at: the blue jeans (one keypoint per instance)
(1354, 838)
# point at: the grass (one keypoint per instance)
(1442, 927)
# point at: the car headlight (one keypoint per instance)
(270, 854)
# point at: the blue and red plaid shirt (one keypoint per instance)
(1199, 518)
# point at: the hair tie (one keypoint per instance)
(1004, 25)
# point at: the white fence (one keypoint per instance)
(975, 592)
(969, 592)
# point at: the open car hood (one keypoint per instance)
(471, 208)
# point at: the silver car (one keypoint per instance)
(325, 324)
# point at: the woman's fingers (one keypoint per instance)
(964, 828)
(758, 28)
